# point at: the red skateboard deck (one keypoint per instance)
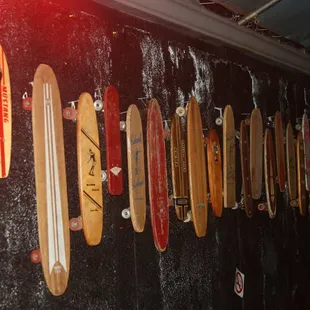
(113, 141)
(158, 190)
(306, 139)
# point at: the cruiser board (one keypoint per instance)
(179, 167)
(89, 170)
(113, 141)
(136, 172)
(306, 139)
(291, 163)
(158, 189)
(5, 117)
(302, 200)
(197, 169)
(50, 177)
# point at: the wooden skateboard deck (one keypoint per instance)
(89, 170)
(179, 167)
(280, 154)
(306, 139)
(291, 163)
(197, 169)
(5, 117)
(158, 190)
(270, 174)
(256, 153)
(302, 200)
(245, 169)
(50, 176)
(113, 141)
(136, 172)
(215, 172)
(229, 157)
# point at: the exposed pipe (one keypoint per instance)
(258, 11)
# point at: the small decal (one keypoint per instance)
(239, 283)
(116, 170)
(92, 159)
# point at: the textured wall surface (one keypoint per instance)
(89, 46)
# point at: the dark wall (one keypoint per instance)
(90, 46)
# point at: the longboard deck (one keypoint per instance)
(136, 171)
(302, 200)
(197, 169)
(306, 139)
(50, 177)
(280, 154)
(5, 117)
(179, 167)
(256, 153)
(158, 189)
(229, 157)
(291, 163)
(113, 141)
(89, 170)
(215, 172)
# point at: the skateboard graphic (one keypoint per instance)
(50, 177)
(113, 141)
(136, 171)
(302, 200)
(291, 163)
(158, 190)
(306, 139)
(197, 169)
(179, 167)
(215, 172)
(256, 153)
(229, 155)
(5, 117)
(89, 170)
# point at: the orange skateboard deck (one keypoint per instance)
(89, 170)
(136, 171)
(291, 163)
(306, 139)
(302, 200)
(5, 117)
(50, 176)
(197, 169)
(215, 172)
(256, 153)
(280, 154)
(179, 167)
(229, 158)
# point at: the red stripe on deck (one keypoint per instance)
(2, 155)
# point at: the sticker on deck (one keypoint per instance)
(239, 283)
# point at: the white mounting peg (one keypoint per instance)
(104, 176)
(219, 120)
(122, 125)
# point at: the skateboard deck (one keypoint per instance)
(158, 190)
(50, 177)
(215, 172)
(229, 155)
(136, 172)
(197, 169)
(270, 174)
(245, 169)
(179, 167)
(280, 154)
(89, 170)
(5, 117)
(256, 153)
(306, 139)
(302, 200)
(291, 163)
(113, 141)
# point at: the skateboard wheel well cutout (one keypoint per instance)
(126, 214)
(75, 224)
(98, 105)
(35, 256)
(69, 113)
(180, 111)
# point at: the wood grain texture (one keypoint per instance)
(197, 169)
(5, 117)
(136, 171)
(256, 153)
(306, 140)
(229, 158)
(89, 170)
(302, 199)
(215, 172)
(291, 163)
(50, 176)
(179, 167)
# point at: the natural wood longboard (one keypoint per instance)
(179, 167)
(280, 154)
(158, 189)
(89, 170)
(302, 200)
(215, 172)
(50, 176)
(306, 139)
(256, 153)
(229, 157)
(5, 117)
(136, 171)
(197, 169)
(291, 163)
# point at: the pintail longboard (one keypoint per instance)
(291, 163)
(306, 140)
